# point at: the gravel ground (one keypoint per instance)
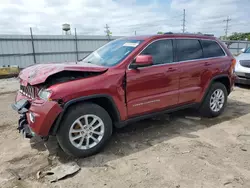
(8, 85)
(167, 151)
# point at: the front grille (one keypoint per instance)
(29, 91)
(245, 63)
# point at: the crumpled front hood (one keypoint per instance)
(37, 74)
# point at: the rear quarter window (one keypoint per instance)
(211, 49)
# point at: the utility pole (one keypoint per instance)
(33, 46)
(226, 29)
(135, 32)
(107, 31)
(77, 55)
(184, 21)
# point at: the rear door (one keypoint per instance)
(215, 58)
(150, 89)
(189, 56)
(215, 62)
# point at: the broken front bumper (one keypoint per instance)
(22, 107)
(36, 116)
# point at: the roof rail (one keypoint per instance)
(190, 34)
(212, 35)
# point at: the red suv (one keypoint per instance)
(126, 80)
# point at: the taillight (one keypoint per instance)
(232, 66)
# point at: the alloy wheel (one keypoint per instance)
(86, 131)
(217, 100)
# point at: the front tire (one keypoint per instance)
(85, 130)
(215, 101)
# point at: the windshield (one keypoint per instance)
(247, 50)
(112, 53)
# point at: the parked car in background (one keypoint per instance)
(124, 81)
(242, 68)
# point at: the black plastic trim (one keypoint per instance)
(21, 106)
(81, 99)
(150, 115)
(174, 50)
(212, 81)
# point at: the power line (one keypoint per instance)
(226, 29)
(184, 21)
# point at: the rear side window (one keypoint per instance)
(188, 49)
(211, 49)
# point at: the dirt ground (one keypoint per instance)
(167, 151)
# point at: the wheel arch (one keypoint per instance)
(103, 100)
(224, 79)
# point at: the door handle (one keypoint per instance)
(171, 69)
(208, 64)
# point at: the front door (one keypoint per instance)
(153, 88)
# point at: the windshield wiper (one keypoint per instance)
(83, 57)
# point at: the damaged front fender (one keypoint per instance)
(44, 117)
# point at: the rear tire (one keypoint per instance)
(85, 130)
(215, 101)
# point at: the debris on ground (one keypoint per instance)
(243, 148)
(193, 118)
(38, 174)
(62, 171)
(14, 173)
(228, 182)
(185, 152)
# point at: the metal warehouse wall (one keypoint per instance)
(23, 51)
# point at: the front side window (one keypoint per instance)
(161, 51)
(112, 53)
(211, 49)
(188, 49)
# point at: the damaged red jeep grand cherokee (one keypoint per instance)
(124, 81)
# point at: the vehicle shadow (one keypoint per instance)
(242, 86)
(144, 134)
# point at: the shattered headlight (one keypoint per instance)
(45, 94)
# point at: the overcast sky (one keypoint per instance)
(123, 16)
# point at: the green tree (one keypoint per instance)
(160, 32)
(239, 36)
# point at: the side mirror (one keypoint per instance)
(243, 50)
(142, 61)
